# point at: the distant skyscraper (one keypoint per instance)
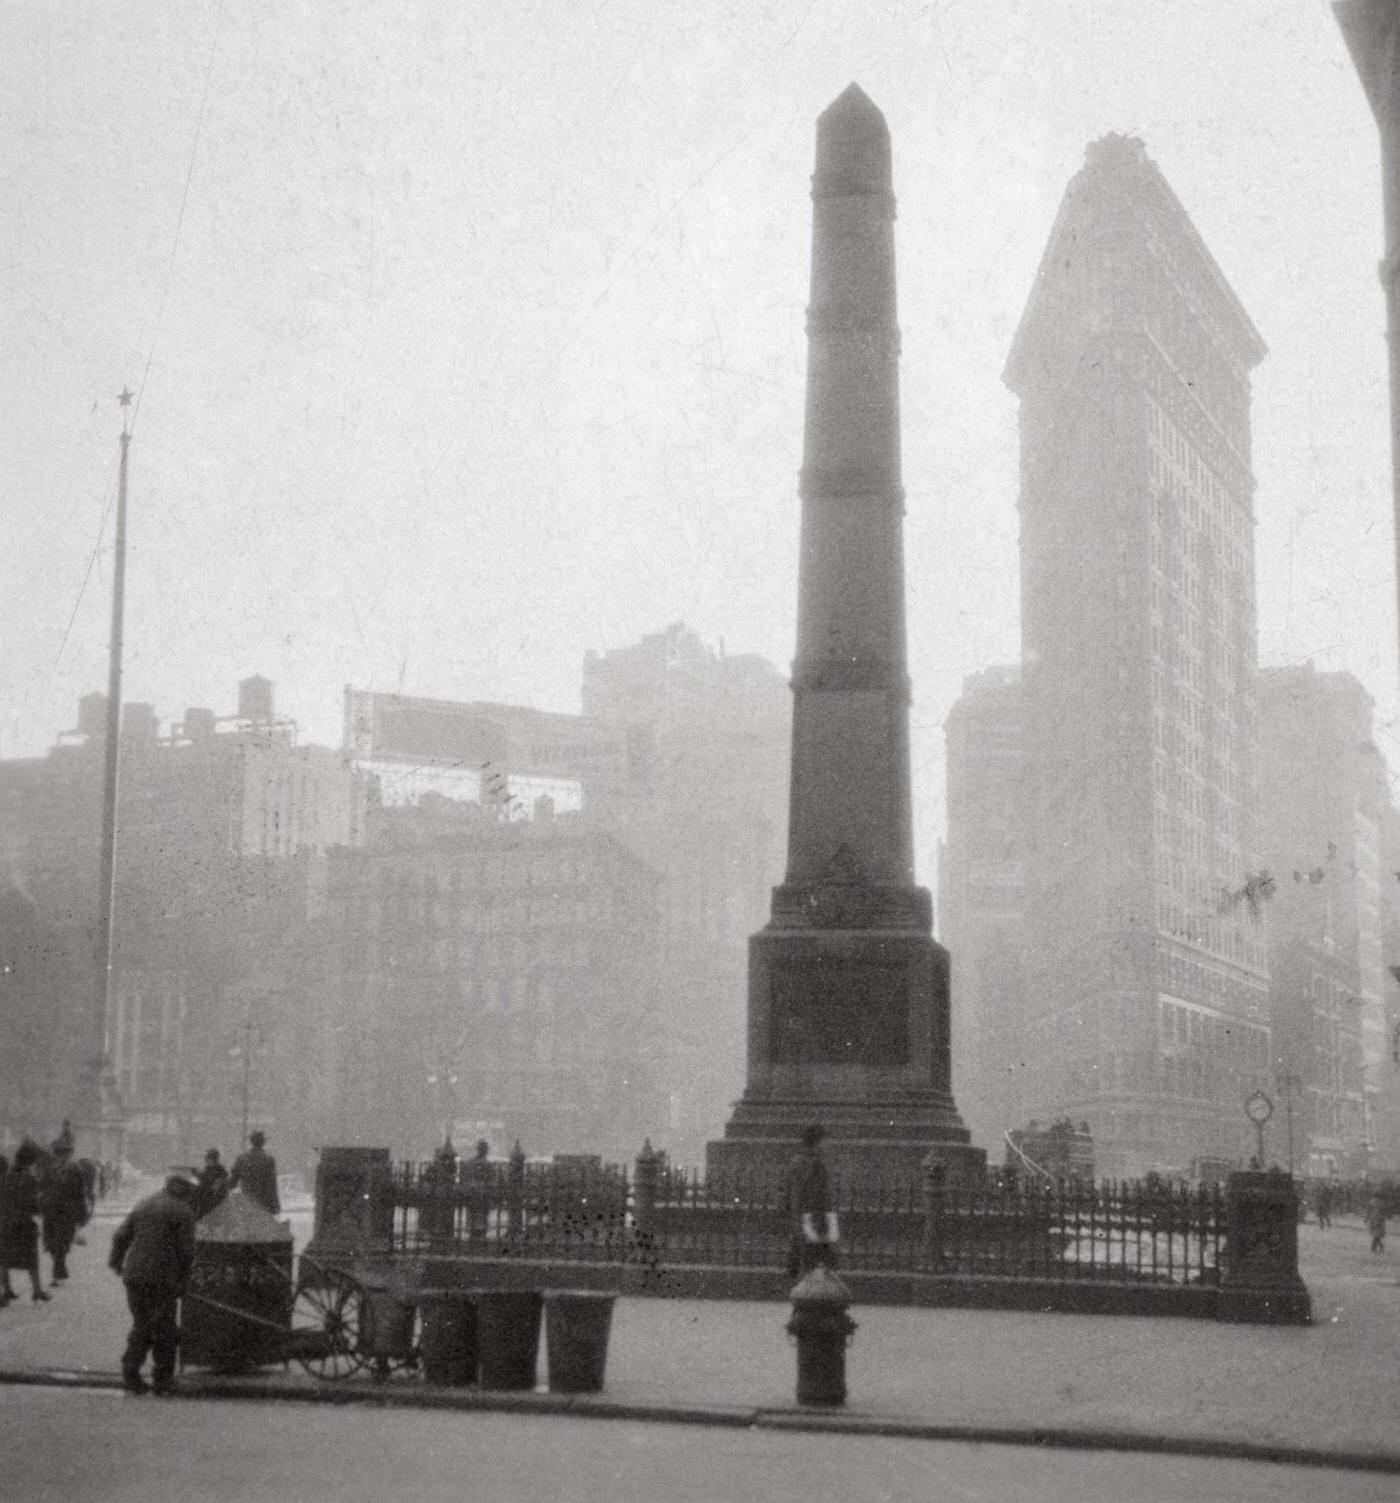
(1148, 1004)
(1324, 809)
(982, 901)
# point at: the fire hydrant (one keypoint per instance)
(822, 1330)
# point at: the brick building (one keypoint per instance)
(218, 820)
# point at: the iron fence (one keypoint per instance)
(579, 1212)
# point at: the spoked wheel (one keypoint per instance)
(326, 1311)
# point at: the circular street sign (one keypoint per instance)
(1258, 1108)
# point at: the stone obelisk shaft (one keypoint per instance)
(848, 991)
(850, 745)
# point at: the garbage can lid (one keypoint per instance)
(240, 1218)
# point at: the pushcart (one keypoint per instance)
(321, 1319)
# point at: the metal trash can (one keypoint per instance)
(236, 1312)
(508, 1336)
(577, 1323)
(387, 1324)
(447, 1342)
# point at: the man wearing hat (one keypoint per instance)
(63, 1204)
(212, 1185)
(809, 1205)
(256, 1173)
(153, 1250)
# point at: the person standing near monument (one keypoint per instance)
(255, 1173)
(809, 1206)
(153, 1251)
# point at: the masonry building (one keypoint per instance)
(1324, 817)
(982, 902)
(1147, 1009)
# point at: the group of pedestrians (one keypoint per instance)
(46, 1198)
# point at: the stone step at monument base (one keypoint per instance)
(862, 1145)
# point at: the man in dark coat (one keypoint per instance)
(255, 1172)
(64, 1204)
(809, 1205)
(153, 1250)
(213, 1184)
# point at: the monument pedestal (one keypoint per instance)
(849, 1028)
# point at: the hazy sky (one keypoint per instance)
(469, 337)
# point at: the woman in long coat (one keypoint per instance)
(19, 1210)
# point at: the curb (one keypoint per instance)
(828, 1421)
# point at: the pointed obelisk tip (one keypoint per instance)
(853, 141)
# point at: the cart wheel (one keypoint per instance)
(325, 1335)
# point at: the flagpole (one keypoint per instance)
(102, 1087)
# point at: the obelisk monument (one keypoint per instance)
(848, 991)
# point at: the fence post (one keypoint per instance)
(354, 1201)
(644, 1186)
(935, 1191)
(441, 1178)
(1261, 1280)
(515, 1190)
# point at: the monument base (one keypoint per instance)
(858, 1159)
(847, 1027)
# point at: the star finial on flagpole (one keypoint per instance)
(125, 398)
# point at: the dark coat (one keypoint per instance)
(255, 1173)
(19, 1205)
(154, 1246)
(212, 1187)
(63, 1197)
(808, 1192)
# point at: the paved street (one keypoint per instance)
(117, 1449)
(1333, 1387)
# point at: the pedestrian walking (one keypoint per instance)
(213, 1184)
(64, 1205)
(153, 1251)
(1324, 1205)
(19, 1210)
(1375, 1221)
(255, 1173)
(809, 1210)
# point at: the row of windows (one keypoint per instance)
(1213, 508)
(1182, 1028)
(1208, 930)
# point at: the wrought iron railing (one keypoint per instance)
(1155, 1234)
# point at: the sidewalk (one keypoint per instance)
(1329, 1392)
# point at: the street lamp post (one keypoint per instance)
(245, 1050)
(1288, 1083)
(1259, 1108)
